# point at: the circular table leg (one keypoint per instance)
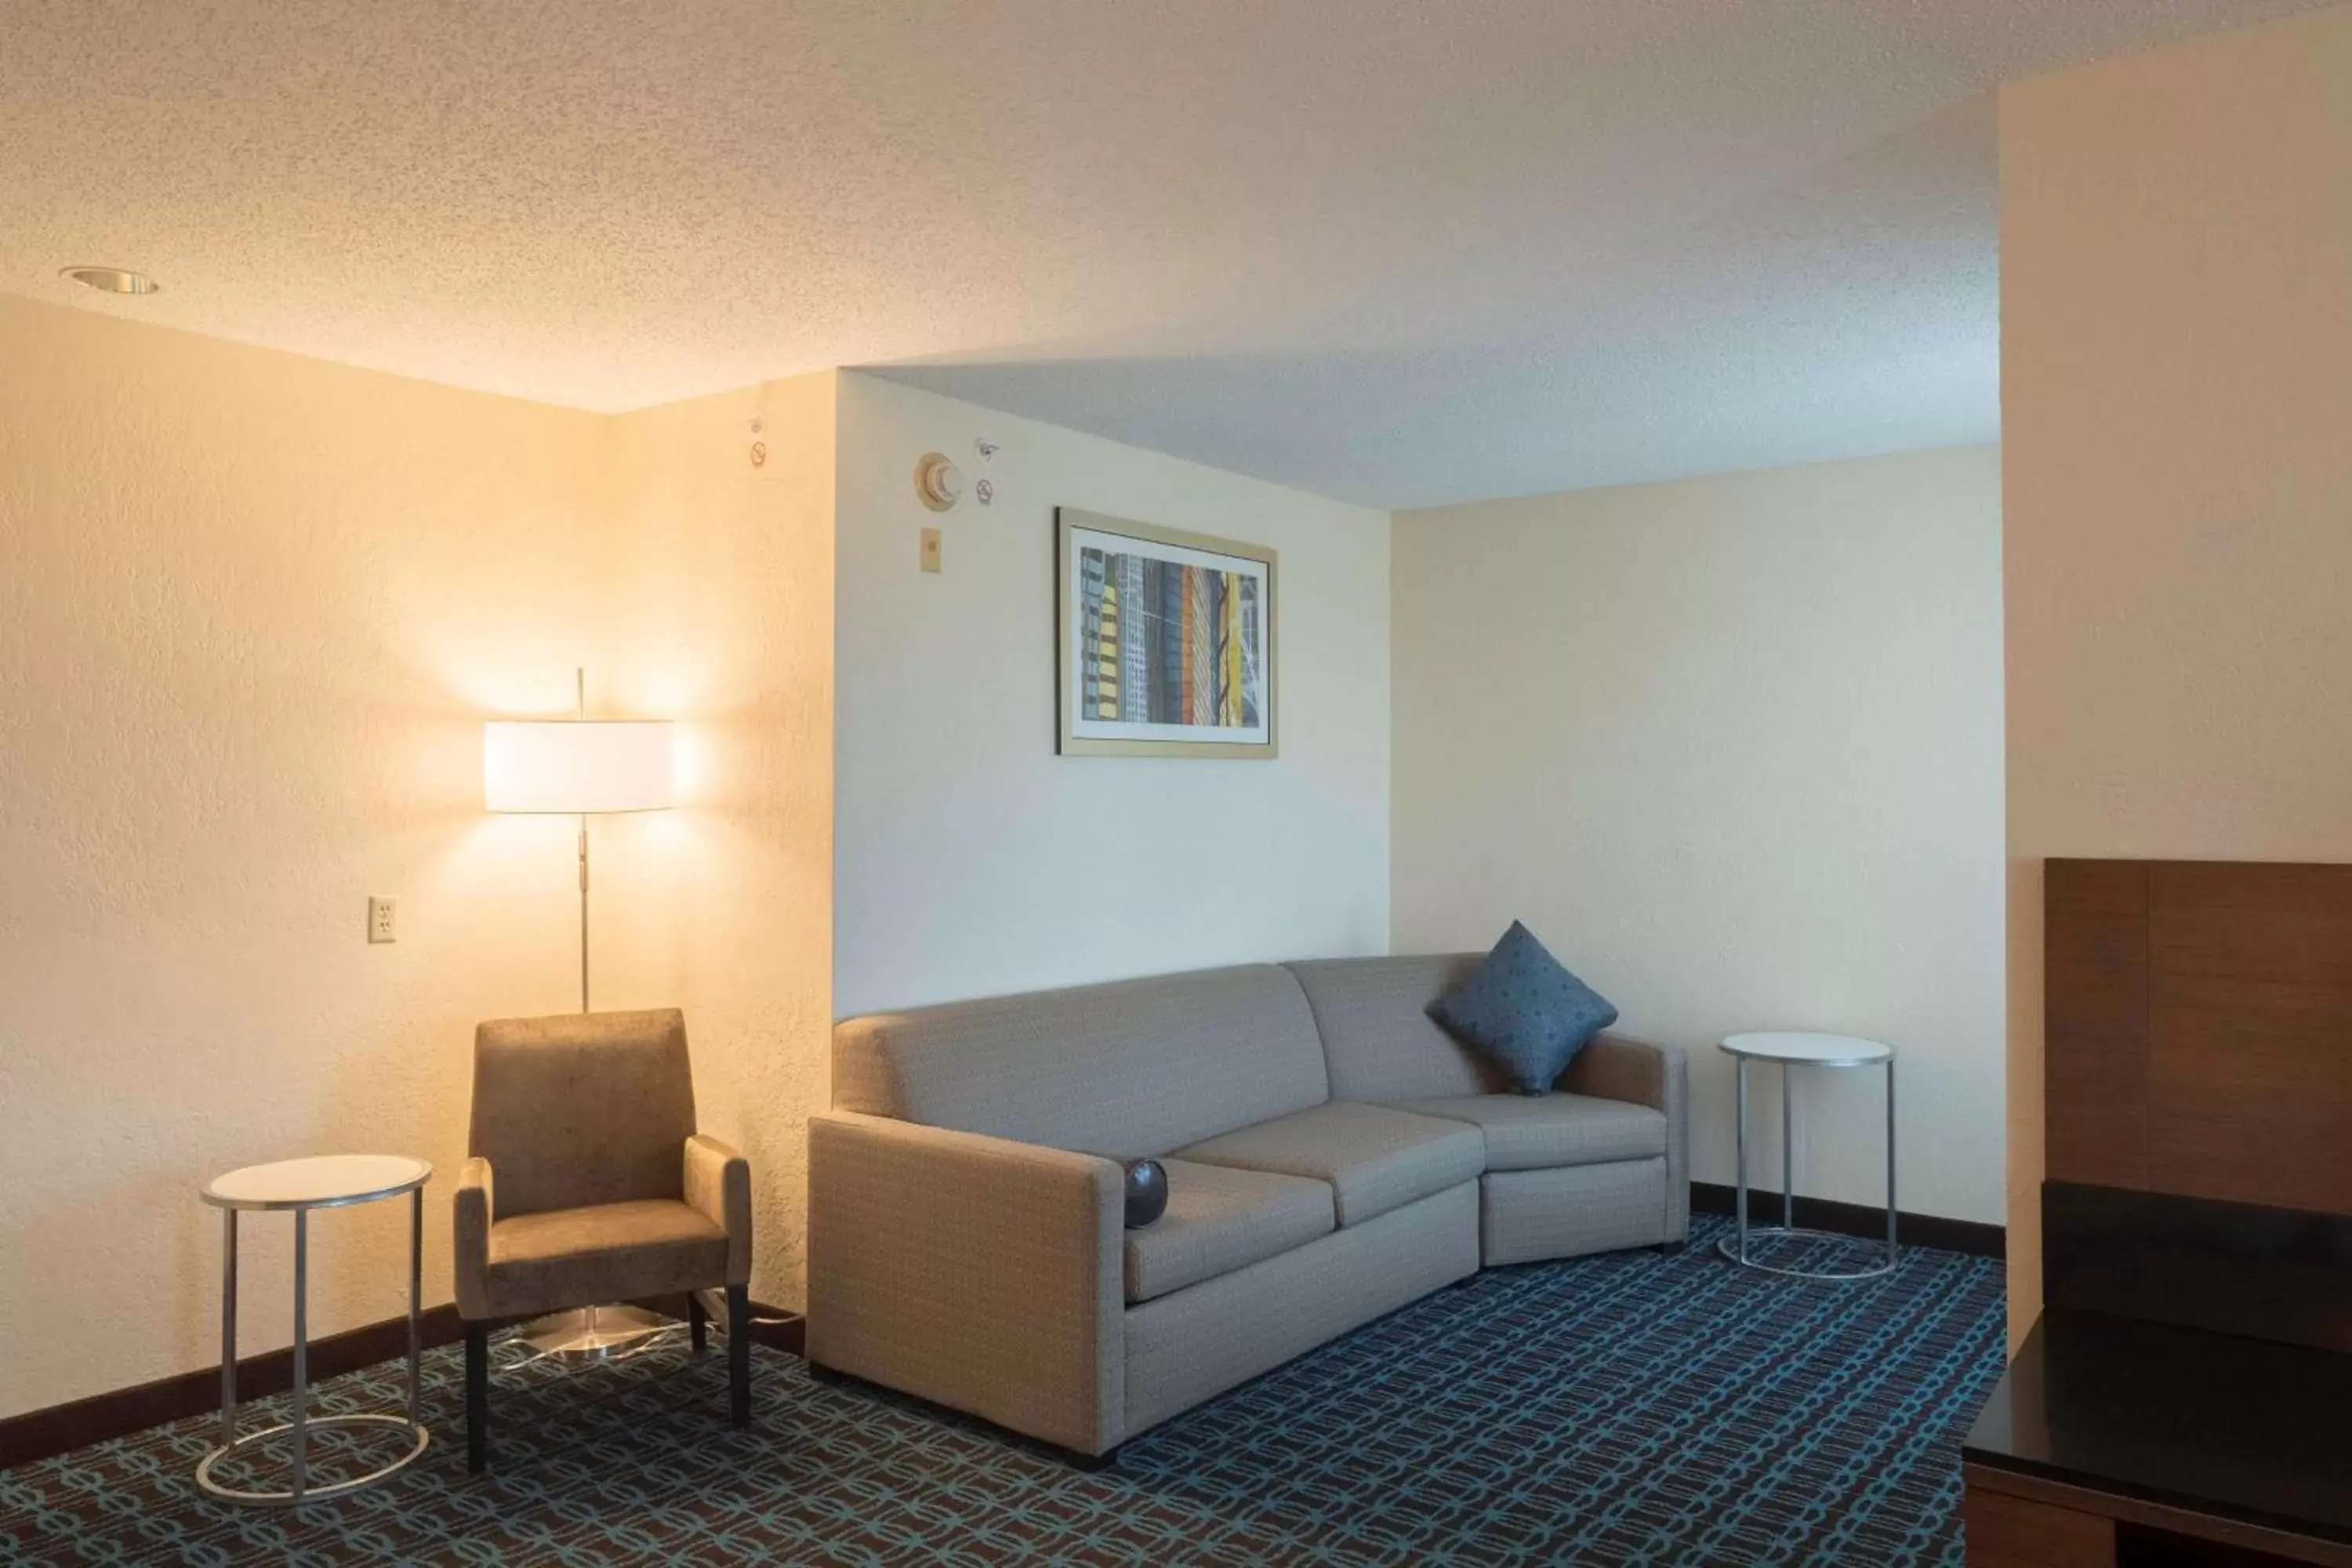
(1890, 1162)
(1788, 1153)
(415, 1294)
(228, 1328)
(1742, 1139)
(302, 1350)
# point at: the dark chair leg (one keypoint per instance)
(1093, 1463)
(820, 1373)
(477, 1396)
(1671, 1248)
(738, 1354)
(697, 1321)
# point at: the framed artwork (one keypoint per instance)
(1165, 641)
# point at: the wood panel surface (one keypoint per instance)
(2096, 1022)
(2249, 1057)
(2198, 1029)
(2002, 1530)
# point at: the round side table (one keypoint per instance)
(1793, 1050)
(329, 1181)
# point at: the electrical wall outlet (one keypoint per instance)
(931, 551)
(383, 919)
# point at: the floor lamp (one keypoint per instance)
(580, 767)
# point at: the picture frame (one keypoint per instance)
(1165, 641)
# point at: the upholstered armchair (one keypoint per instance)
(588, 1184)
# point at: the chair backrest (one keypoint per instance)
(1378, 1038)
(1131, 1069)
(581, 1108)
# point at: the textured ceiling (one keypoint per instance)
(1390, 250)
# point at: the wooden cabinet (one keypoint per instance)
(2007, 1531)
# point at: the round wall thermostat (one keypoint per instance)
(936, 481)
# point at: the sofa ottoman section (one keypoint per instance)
(1195, 1345)
(1221, 1218)
(1536, 1132)
(1375, 1157)
(1569, 1211)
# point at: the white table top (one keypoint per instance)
(322, 1180)
(1807, 1049)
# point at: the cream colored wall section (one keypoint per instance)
(253, 611)
(970, 859)
(2177, 387)
(721, 614)
(1732, 747)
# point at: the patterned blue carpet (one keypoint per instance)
(1632, 1408)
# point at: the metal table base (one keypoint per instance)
(298, 1490)
(1734, 1246)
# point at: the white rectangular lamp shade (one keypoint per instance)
(577, 765)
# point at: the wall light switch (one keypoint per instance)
(931, 550)
(383, 919)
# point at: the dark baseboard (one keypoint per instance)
(1972, 1237)
(41, 1434)
(38, 1434)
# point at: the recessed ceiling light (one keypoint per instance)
(111, 280)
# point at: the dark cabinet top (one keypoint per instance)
(2248, 1429)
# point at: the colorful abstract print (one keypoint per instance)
(1167, 643)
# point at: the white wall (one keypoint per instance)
(972, 860)
(254, 609)
(1732, 747)
(2176, 388)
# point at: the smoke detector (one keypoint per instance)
(939, 484)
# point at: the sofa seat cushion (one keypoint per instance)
(1221, 1218)
(1540, 1132)
(1376, 1157)
(606, 1252)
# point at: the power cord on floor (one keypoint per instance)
(650, 1340)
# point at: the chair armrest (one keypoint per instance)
(1616, 1068)
(718, 1185)
(474, 1212)
(978, 1272)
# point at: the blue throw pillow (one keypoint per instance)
(1524, 1012)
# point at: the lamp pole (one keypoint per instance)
(580, 714)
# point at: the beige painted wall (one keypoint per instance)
(253, 610)
(721, 614)
(2176, 392)
(1732, 747)
(970, 859)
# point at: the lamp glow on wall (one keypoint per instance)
(580, 767)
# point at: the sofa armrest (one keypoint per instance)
(719, 1186)
(1616, 1068)
(469, 1229)
(979, 1272)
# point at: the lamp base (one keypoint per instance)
(592, 1333)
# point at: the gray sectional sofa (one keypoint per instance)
(1331, 1155)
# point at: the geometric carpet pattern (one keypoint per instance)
(1628, 1408)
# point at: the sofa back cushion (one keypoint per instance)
(1378, 1040)
(1131, 1069)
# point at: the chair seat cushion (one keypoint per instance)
(1375, 1157)
(1221, 1218)
(1532, 1133)
(608, 1252)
